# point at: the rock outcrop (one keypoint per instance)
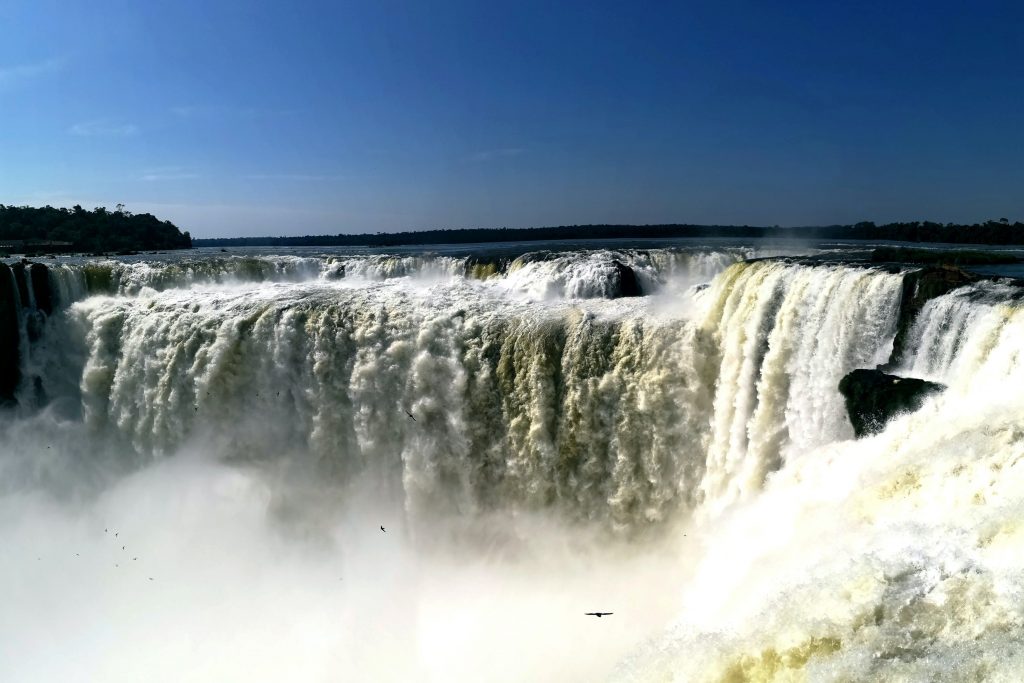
(625, 282)
(874, 397)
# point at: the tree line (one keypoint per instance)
(100, 230)
(49, 229)
(989, 232)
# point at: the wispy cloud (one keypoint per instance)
(104, 128)
(17, 73)
(155, 177)
(163, 173)
(221, 111)
(299, 177)
(490, 154)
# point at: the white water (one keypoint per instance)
(891, 558)
(541, 274)
(683, 460)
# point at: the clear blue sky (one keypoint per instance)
(239, 117)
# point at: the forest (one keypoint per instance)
(48, 230)
(989, 232)
(25, 229)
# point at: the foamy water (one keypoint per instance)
(534, 447)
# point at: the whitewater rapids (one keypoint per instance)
(537, 443)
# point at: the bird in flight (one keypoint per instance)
(598, 614)
(410, 415)
(382, 528)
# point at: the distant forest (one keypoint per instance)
(48, 229)
(990, 232)
(26, 229)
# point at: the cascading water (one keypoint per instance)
(888, 558)
(531, 440)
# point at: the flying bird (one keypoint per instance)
(598, 614)
(410, 415)
(382, 528)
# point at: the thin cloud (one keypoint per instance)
(155, 177)
(104, 129)
(193, 111)
(218, 111)
(17, 73)
(299, 177)
(161, 173)
(490, 154)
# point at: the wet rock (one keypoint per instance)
(625, 283)
(22, 281)
(9, 336)
(39, 276)
(874, 397)
(919, 287)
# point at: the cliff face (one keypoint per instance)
(10, 373)
(26, 300)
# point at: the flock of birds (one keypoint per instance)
(382, 529)
(124, 548)
(116, 565)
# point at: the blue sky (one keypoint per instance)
(256, 118)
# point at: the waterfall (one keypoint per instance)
(609, 412)
(444, 460)
(787, 334)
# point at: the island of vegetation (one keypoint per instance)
(989, 232)
(28, 230)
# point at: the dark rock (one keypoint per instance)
(626, 280)
(39, 275)
(20, 278)
(918, 287)
(954, 257)
(10, 370)
(874, 397)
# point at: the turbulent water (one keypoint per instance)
(429, 466)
